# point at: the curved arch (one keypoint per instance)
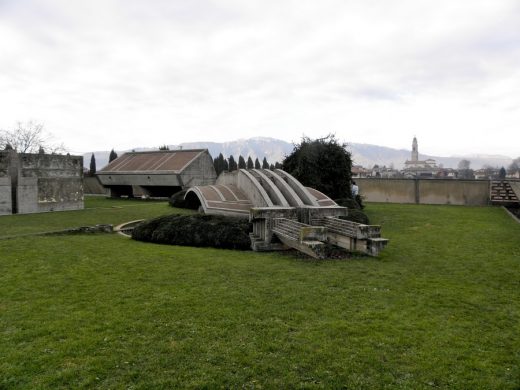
(219, 199)
(250, 185)
(292, 198)
(272, 190)
(194, 195)
(298, 187)
(322, 199)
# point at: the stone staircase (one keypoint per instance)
(505, 193)
(353, 236)
(302, 237)
(311, 239)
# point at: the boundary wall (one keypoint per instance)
(425, 191)
(34, 183)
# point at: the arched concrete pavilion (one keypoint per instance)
(285, 213)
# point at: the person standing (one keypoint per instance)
(355, 190)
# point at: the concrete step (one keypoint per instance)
(503, 192)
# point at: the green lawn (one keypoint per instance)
(98, 210)
(440, 308)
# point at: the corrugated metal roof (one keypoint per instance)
(174, 161)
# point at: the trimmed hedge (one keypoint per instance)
(356, 216)
(177, 200)
(349, 203)
(354, 210)
(196, 230)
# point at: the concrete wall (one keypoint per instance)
(387, 190)
(49, 182)
(425, 191)
(5, 185)
(32, 183)
(5, 196)
(200, 172)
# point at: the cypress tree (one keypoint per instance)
(232, 164)
(92, 165)
(219, 164)
(241, 162)
(250, 164)
(225, 165)
(257, 164)
(265, 164)
(216, 165)
(113, 156)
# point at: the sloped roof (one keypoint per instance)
(163, 161)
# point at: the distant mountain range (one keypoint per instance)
(274, 150)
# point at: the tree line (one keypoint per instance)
(222, 164)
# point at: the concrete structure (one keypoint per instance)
(92, 186)
(157, 174)
(417, 168)
(6, 202)
(505, 192)
(285, 214)
(425, 191)
(32, 183)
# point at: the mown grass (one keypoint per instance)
(98, 210)
(440, 308)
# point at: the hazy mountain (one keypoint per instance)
(274, 150)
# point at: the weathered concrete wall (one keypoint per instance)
(5, 195)
(48, 182)
(228, 178)
(387, 190)
(199, 173)
(458, 192)
(425, 191)
(139, 179)
(5, 185)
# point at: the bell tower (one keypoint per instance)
(415, 150)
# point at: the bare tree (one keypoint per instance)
(464, 172)
(29, 137)
(464, 164)
(514, 166)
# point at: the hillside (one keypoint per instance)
(274, 150)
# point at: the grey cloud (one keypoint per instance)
(248, 65)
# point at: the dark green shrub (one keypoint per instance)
(359, 201)
(324, 164)
(196, 230)
(357, 216)
(177, 200)
(349, 203)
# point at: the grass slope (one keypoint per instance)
(440, 308)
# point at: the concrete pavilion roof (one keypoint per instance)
(162, 161)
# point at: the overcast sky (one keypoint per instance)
(104, 74)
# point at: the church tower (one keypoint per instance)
(415, 150)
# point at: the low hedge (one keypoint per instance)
(354, 207)
(196, 230)
(177, 200)
(348, 203)
(357, 216)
